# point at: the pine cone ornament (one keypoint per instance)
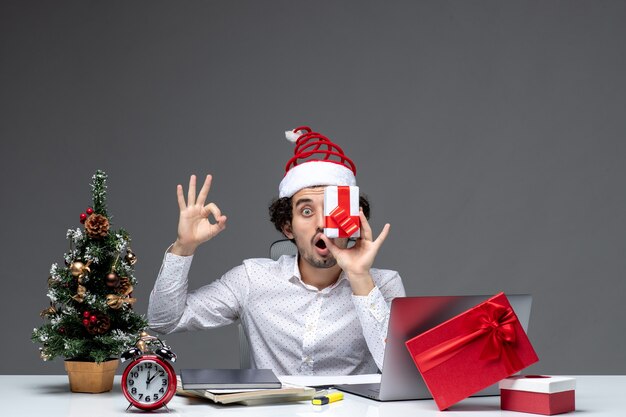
(97, 226)
(124, 286)
(101, 324)
(117, 301)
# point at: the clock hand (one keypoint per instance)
(154, 376)
(148, 378)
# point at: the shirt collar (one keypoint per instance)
(295, 270)
(296, 276)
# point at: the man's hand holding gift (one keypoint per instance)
(357, 261)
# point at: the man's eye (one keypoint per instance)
(307, 212)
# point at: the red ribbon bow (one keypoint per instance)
(339, 217)
(491, 321)
(344, 221)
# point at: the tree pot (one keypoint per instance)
(91, 377)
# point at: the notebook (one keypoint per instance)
(287, 393)
(410, 316)
(207, 379)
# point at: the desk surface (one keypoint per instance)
(49, 396)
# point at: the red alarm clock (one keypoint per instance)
(149, 381)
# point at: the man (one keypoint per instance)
(322, 312)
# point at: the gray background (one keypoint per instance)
(489, 134)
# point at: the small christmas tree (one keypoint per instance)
(90, 317)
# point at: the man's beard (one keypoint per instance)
(311, 258)
(327, 262)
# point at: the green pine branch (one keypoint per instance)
(99, 192)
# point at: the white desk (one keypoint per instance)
(49, 396)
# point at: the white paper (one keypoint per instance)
(328, 380)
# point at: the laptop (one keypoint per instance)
(410, 316)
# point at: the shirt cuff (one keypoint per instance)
(374, 303)
(174, 270)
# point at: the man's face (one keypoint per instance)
(307, 225)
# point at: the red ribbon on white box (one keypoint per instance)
(341, 211)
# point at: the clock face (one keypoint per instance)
(148, 383)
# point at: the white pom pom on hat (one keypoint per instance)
(316, 161)
(292, 136)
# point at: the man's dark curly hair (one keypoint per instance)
(281, 214)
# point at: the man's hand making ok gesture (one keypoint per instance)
(194, 227)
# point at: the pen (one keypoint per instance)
(328, 398)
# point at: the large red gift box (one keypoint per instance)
(471, 351)
(538, 394)
(341, 211)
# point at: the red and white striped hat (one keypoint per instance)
(316, 161)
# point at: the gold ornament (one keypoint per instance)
(117, 301)
(50, 311)
(130, 257)
(79, 269)
(143, 334)
(80, 293)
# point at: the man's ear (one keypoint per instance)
(287, 231)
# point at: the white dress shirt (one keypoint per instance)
(293, 328)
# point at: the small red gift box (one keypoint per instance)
(471, 351)
(341, 211)
(538, 394)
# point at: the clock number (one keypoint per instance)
(161, 373)
(162, 390)
(155, 397)
(140, 367)
(134, 374)
(131, 382)
(140, 396)
(134, 390)
(149, 365)
(164, 382)
(147, 399)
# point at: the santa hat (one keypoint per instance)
(316, 161)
